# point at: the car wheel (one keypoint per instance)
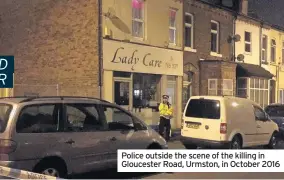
(273, 142)
(236, 143)
(190, 146)
(55, 169)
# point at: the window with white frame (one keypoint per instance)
(283, 53)
(247, 42)
(215, 36)
(227, 87)
(273, 50)
(264, 49)
(188, 30)
(138, 18)
(172, 26)
(212, 87)
(281, 96)
(259, 91)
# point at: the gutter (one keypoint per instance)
(100, 46)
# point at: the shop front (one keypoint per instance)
(136, 76)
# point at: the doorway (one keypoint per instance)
(123, 93)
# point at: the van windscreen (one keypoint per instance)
(203, 108)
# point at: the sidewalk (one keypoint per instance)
(175, 136)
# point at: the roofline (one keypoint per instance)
(236, 14)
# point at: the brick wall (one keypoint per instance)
(203, 14)
(216, 70)
(54, 42)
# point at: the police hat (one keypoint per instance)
(165, 97)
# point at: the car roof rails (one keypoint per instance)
(60, 97)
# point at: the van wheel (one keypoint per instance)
(236, 143)
(190, 146)
(273, 142)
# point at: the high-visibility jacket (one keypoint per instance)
(165, 111)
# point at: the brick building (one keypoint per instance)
(55, 44)
(208, 55)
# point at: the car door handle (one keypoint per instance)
(70, 141)
(113, 139)
(258, 126)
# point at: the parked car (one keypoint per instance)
(226, 122)
(68, 135)
(276, 113)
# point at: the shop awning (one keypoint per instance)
(251, 70)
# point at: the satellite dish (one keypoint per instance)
(240, 57)
(237, 37)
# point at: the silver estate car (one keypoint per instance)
(59, 136)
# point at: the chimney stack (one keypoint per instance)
(243, 7)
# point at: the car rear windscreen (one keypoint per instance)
(275, 111)
(203, 108)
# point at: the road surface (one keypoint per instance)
(113, 174)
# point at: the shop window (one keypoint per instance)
(281, 96)
(259, 91)
(212, 87)
(138, 18)
(146, 90)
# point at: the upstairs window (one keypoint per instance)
(283, 53)
(188, 30)
(172, 26)
(273, 50)
(247, 42)
(214, 36)
(264, 49)
(138, 18)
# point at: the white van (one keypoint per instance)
(226, 122)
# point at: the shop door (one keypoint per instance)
(123, 93)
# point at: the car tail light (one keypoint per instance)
(223, 128)
(7, 146)
(182, 121)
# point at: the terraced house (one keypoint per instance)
(142, 55)
(260, 54)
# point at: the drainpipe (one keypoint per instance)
(100, 46)
(234, 33)
(277, 76)
(260, 44)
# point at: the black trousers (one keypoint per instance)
(165, 123)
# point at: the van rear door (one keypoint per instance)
(202, 119)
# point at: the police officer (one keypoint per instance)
(166, 113)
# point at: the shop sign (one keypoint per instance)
(119, 56)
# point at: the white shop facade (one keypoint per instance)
(136, 76)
